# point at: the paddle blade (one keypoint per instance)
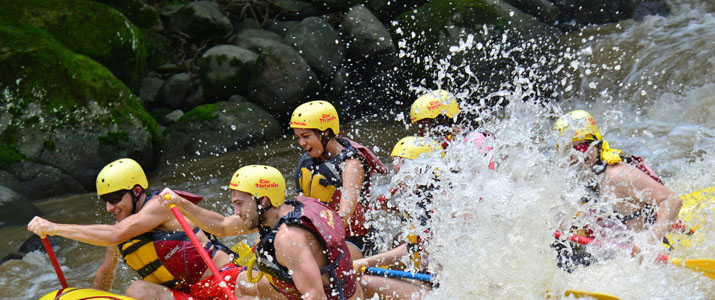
(189, 196)
(705, 266)
(584, 294)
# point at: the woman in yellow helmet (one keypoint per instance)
(435, 112)
(640, 200)
(335, 170)
(407, 148)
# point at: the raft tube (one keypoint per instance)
(74, 293)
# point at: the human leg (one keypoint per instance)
(391, 288)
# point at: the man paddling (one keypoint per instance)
(637, 197)
(149, 238)
(302, 242)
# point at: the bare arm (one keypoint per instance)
(388, 258)
(150, 217)
(631, 182)
(353, 177)
(294, 251)
(210, 221)
(105, 273)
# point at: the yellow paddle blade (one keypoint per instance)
(245, 254)
(583, 294)
(691, 216)
(705, 266)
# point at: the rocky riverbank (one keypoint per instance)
(86, 82)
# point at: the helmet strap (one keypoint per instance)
(135, 199)
(324, 139)
(261, 210)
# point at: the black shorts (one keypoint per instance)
(365, 243)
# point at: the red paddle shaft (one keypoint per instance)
(205, 256)
(55, 263)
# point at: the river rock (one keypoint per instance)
(492, 38)
(14, 209)
(141, 14)
(201, 20)
(148, 89)
(227, 70)
(364, 34)
(254, 33)
(543, 10)
(281, 27)
(86, 27)
(64, 116)
(319, 44)
(284, 80)
(212, 129)
(175, 90)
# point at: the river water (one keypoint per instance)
(649, 85)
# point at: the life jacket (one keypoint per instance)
(323, 181)
(326, 225)
(167, 258)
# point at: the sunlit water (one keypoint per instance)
(650, 87)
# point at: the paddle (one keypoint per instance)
(705, 266)
(583, 294)
(398, 274)
(197, 244)
(55, 263)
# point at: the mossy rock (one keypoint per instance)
(85, 27)
(491, 37)
(141, 14)
(64, 111)
(213, 129)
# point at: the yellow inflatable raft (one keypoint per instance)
(73, 293)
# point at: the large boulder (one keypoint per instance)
(63, 116)
(14, 209)
(142, 15)
(85, 27)
(284, 80)
(319, 44)
(489, 39)
(212, 129)
(201, 20)
(227, 70)
(364, 33)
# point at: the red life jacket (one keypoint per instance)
(325, 224)
(167, 258)
(323, 181)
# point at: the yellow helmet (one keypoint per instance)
(411, 147)
(582, 124)
(432, 104)
(121, 174)
(260, 181)
(318, 114)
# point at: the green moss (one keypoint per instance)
(114, 138)
(200, 113)
(436, 16)
(49, 145)
(37, 67)
(9, 156)
(88, 28)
